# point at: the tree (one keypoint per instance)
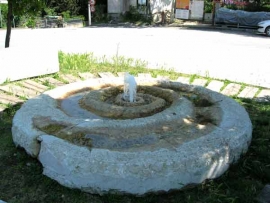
(9, 21)
(21, 7)
(72, 6)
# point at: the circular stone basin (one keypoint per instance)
(84, 137)
(108, 102)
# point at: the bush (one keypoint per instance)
(236, 5)
(134, 14)
(99, 14)
(4, 11)
(266, 8)
(50, 11)
(246, 6)
(66, 15)
(31, 22)
(25, 21)
(208, 6)
(255, 7)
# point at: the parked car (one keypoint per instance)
(264, 27)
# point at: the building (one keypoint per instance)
(183, 9)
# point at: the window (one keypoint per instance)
(142, 2)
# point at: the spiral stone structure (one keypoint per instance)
(87, 137)
(108, 102)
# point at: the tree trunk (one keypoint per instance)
(148, 8)
(172, 11)
(9, 23)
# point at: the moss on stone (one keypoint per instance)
(59, 131)
(77, 138)
(52, 129)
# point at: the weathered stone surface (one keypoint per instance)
(248, 92)
(51, 81)
(161, 77)
(87, 75)
(168, 162)
(215, 85)
(30, 84)
(144, 75)
(106, 75)
(200, 82)
(264, 196)
(20, 63)
(264, 95)
(2, 109)
(70, 78)
(9, 99)
(231, 89)
(19, 91)
(121, 74)
(151, 101)
(184, 80)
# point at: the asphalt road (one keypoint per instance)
(225, 54)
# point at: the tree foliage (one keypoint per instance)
(59, 6)
(21, 7)
(4, 11)
(29, 7)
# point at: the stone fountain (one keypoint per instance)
(127, 135)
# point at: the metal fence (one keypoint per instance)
(54, 23)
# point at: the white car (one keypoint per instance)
(264, 27)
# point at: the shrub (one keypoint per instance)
(4, 10)
(136, 14)
(99, 14)
(208, 6)
(236, 5)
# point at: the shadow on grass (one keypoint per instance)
(22, 180)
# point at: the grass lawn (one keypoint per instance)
(21, 178)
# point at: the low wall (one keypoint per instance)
(19, 63)
(78, 23)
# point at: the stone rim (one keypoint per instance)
(192, 162)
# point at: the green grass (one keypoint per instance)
(21, 179)
(75, 63)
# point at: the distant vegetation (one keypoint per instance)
(79, 9)
(66, 8)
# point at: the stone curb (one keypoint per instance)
(187, 24)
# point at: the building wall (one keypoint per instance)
(133, 2)
(160, 5)
(120, 6)
(115, 6)
(189, 9)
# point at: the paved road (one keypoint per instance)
(234, 55)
